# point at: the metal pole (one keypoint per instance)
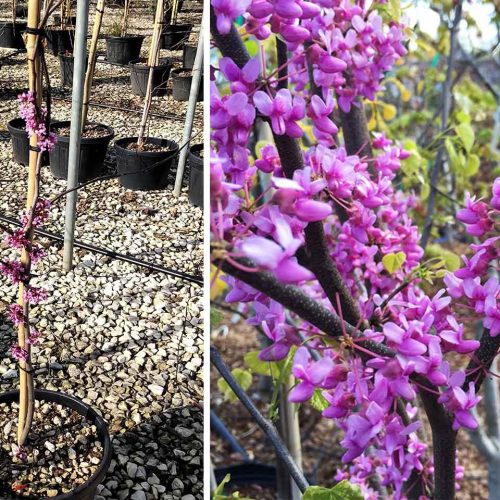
(82, 17)
(193, 97)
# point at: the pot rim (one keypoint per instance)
(85, 140)
(127, 37)
(138, 65)
(86, 411)
(126, 140)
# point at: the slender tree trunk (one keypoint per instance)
(126, 8)
(26, 401)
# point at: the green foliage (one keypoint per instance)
(450, 260)
(219, 491)
(318, 401)
(115, 29)
(341, 491)
(255, 365)
(393, 261)
(216, 317)
(244, 379)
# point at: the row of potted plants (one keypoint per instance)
(144, 170)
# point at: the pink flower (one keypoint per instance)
(495, 200)
(475, 216)
(227, 11)
(311, 373)
(16, 314)
(14, 270)
(35, 295)
(17, 352)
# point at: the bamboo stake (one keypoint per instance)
(26, 395)
(175, 6)
(153, 60)
(154, 49)
(89, 76)
(14, 16)
(125, 18)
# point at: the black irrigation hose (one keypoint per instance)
(112, 254)
(165, 116)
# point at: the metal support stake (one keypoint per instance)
(193, 97)
(82, 17)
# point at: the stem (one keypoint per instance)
(445, 112)
(126, 8)
(267, 427)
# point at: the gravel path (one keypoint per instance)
(126, 340)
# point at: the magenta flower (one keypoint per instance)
(16, 314)
(35, 295)
(18, 353)
(34, 337)
(311, 373)
(495, 200)
(227, 11)
(242, 80)
(14, 270)
(282, 111)
(475, 216)
(320, 112)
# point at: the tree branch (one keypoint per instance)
(356, 137)
(268, 428)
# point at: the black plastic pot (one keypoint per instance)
(60, 40)
(69, 21)
(123, 49)
(11, 35)
(66, 67)
(87, 490)
(188, 56)
(167, 19)
(174, 35)
(144, 170)
(92, 154)
(21, 11)
(182, 85)
(139, 75)
(195, 191)
(21, 143)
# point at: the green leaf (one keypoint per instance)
(268, 368)
(244, 379)
(219, 491)
(318, 401)
(393, 261)
(466, 135)
(341, 491)
(472, 167)
(452, 154)
(451, 261)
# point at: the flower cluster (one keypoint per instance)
(35, 120)
(261, 210)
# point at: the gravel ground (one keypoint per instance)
(126, 340)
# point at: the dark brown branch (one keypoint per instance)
(355, 129)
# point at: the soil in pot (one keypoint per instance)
(123, 49)
(148, 169)
(60, 39)
(20, 142)
(93, 148)
(182, 79)
(11, 35)
(139, 75)
(188, 56)
(195, 192)
(174, 35)
(63, 452)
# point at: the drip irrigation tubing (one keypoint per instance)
(112, 254)
(165, 116)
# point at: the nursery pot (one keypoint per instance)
(174, 35)
(188, 56)
(60, 40)
(92, 154)
(123, 49)
(139, 75)
(69, 20)
(66, 67)
(21, 143)
(22, 11)
(146, 170)
(87, 490)
(11, 35)
(182, 85)
(195, 191)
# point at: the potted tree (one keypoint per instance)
(95, 136)
(61, 35)
(121, 48)
(174, 35)
(156, 68)
(35, 410)
(144, 163)
(11, 31)
(181, 84)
